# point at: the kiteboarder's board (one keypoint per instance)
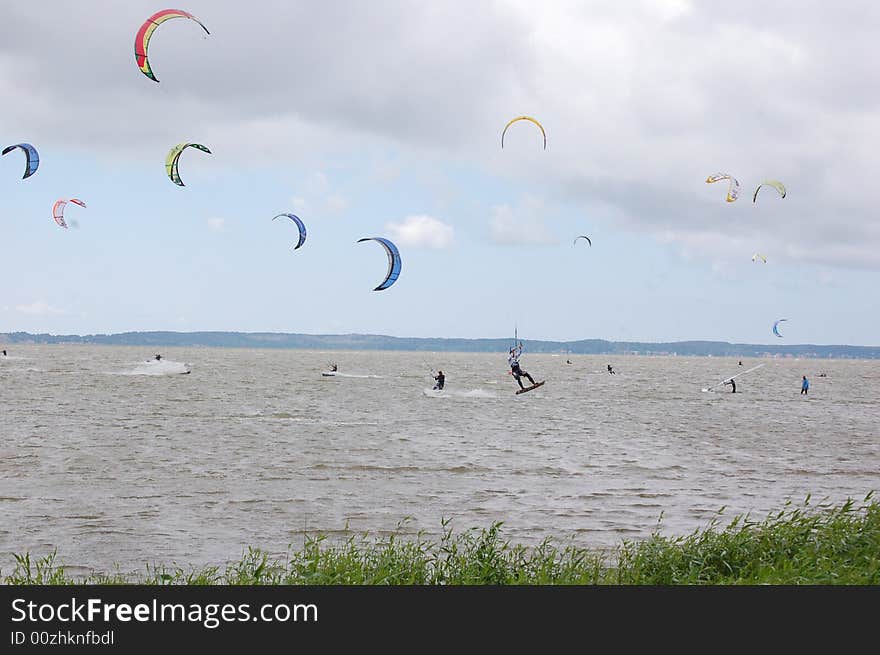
(534, 386)
(328, 374)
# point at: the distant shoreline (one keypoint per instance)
(283, 340)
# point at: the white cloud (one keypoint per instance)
(509, 228)
(318, 198)
(299, 204)
(217, 224)
(421, 231)
(335, 204)
(641, 100)
(317, 183)
(38, 308)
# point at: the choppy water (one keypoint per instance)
(114, 462)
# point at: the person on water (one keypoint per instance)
(805, 386)
(740, 362)
(610, 370)
(732, 384)
(158, 357)
(441, 381)
(568, 361)
(4, 353)
(333, 368)
(518, 373)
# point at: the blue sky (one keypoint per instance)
(385, 121)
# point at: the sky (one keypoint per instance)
(384, 119)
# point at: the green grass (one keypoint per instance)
(806, 544)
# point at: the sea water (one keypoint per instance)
(114, 462)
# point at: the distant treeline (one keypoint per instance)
(380, 342)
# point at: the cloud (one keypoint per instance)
(641, 101)
(421, 231)
(299, 204)
(319, 197)
(317, 183)
(335, 204)
(509, 228)
(39, 308)
(217, 224)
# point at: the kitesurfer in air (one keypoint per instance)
(805, 385)
(441, 381)
(610, 370)
(513, 359)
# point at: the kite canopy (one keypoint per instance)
(299, 224)
(732, 187)
(171, 161)
(524, 118)
(32, 159)
(393, 262)
(58, 209)
(758, 256)
(145, 33)
(776, 184)
(582, 236)
(776, 325)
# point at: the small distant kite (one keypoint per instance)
(732, 187)
(758, 256)
(582, 236)
(171, 161)
(299, 224)
(394, 262)
(524, 118)
(32, 159)
(145, 33)
(58, 209)
(776, 327)
(776, 184)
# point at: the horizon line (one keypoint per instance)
(388, 336)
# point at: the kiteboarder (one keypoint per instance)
(610, 370)
(441, 380)
(805, 386)
(518, 373)
(157, 357)
(333, 367)
(732, 385)
(4, 353)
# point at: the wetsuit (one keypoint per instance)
(609, 369)
(733, 384)
(805, 386)
(513, 360)
(441, 380)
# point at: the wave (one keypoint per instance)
(446, 393)
(162, 367)
(337, 374)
